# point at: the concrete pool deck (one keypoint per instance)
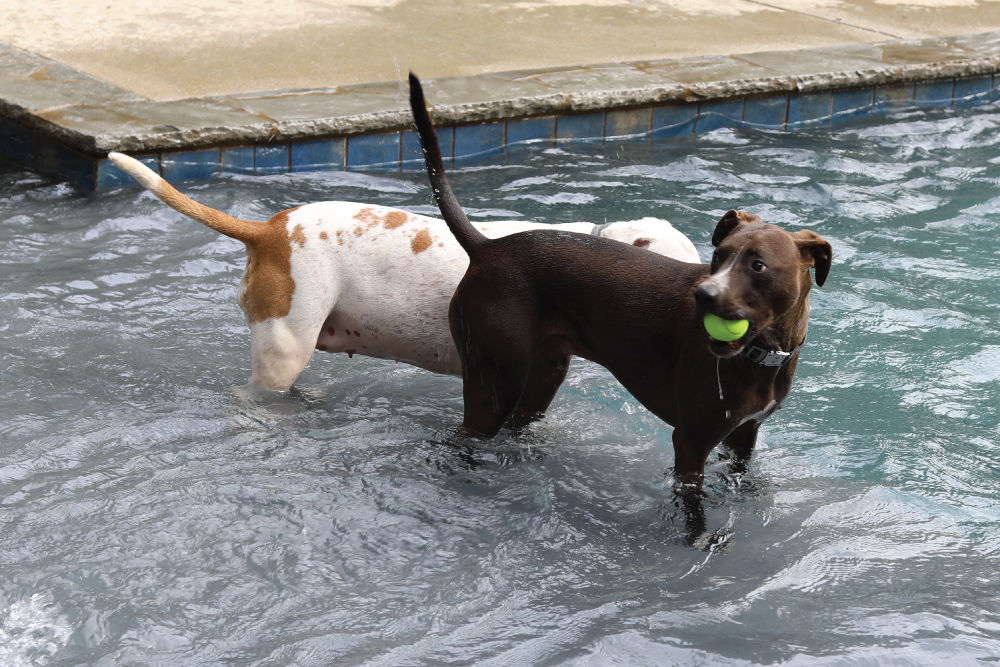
(259, 87)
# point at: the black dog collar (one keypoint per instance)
(770, 358)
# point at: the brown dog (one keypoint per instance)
(530, 301)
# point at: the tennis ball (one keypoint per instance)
(725, 330)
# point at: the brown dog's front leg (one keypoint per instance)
(689, 471)
(689, 459)
(741, 443)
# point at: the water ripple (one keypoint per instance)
(157, 510)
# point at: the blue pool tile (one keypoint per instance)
(315, 155)
(271, 159)
(532, 129)
(411, 151)
(811, 109)
(373, 150)
(478, 140)
(848, 104)
(889, 98)
(589, 126)
(109, 176)
(713, 115)
(674, 120)
(239, 160)
(766, 111)
(934, 94)
(973, 91)
(52, 157)
(16, 142)
(630, 123)
(414, 156)
(190, 165)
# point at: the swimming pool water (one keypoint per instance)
(151, 514)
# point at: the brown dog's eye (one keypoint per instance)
(758, 266)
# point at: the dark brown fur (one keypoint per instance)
(530, 301)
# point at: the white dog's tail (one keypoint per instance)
(241, 230)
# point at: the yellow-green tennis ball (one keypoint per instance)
(725, 330)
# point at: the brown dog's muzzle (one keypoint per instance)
(709, 297)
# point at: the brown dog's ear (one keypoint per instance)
(729, 222)
(816, 252)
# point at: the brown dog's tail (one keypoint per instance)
(241, 230)
(467, 236)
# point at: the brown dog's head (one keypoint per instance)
(761, 273)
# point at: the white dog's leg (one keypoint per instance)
(279, 352)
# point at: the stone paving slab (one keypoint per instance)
(203, 48)
(95, 117)
(30, 83)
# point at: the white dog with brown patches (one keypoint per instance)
(360, 278)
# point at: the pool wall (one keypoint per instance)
(62, 123)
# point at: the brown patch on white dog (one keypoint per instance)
(367, 216)
(267, 287)
(298, 235)
(421, 241)
(395, 219)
